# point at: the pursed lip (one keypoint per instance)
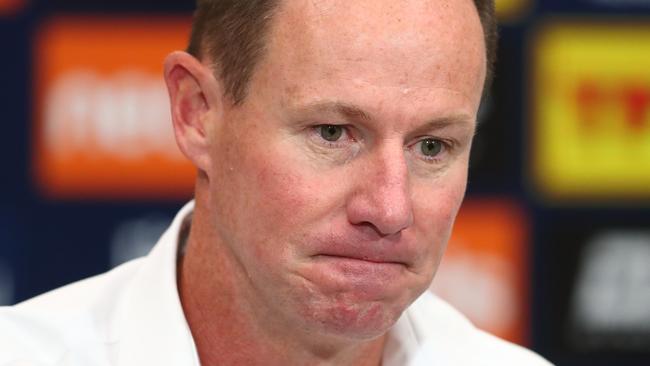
(357, 258)
(372, 251)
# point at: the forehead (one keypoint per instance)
(404, 45)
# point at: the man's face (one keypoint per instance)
(336, 183)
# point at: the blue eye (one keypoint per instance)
(431, 147)
(331, 133)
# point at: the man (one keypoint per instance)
(331, 140)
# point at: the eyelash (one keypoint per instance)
(447, 145)
(347, 136)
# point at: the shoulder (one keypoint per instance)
(445, 334)
(50, 328)
(501, 352)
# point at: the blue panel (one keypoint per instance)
(75, 241)
(10, 241)
(605, 7)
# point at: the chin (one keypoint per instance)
(354, 321)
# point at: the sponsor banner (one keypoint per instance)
(595, 287)
(103, 128)
(591, 110)
(484, 272)
(610, 306)
(11, 7)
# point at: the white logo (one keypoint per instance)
(467, 279)
(135, 238)
(126, 115)
(613, 285)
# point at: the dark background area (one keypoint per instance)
(46, 243)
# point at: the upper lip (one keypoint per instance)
(380, 250)
(360, 257)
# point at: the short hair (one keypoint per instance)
(232, 34)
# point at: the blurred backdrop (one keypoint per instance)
(551, 249)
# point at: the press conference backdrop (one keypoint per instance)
(551, 249)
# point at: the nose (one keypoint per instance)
(382, 198)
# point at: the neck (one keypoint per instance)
(230, 328)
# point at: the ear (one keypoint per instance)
(196, 105)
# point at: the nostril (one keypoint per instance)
(369, 227)
(372, 232)
(384, 220)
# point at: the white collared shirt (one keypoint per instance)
(132, 316)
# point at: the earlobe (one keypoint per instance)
(195, 103)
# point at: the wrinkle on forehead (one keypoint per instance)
(408, 89)
(408, 44)
(294, 92)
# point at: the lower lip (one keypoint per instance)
(355, 289)
(355, 267)
(364, 279)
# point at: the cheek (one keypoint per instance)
(281, 193)
(275, 198)
(436, 206)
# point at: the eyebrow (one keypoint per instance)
(348, 111)
(352, 112)
(459, 120)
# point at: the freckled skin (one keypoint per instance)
(274, 198)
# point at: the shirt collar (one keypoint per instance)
(151, 328)
(402, 342)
